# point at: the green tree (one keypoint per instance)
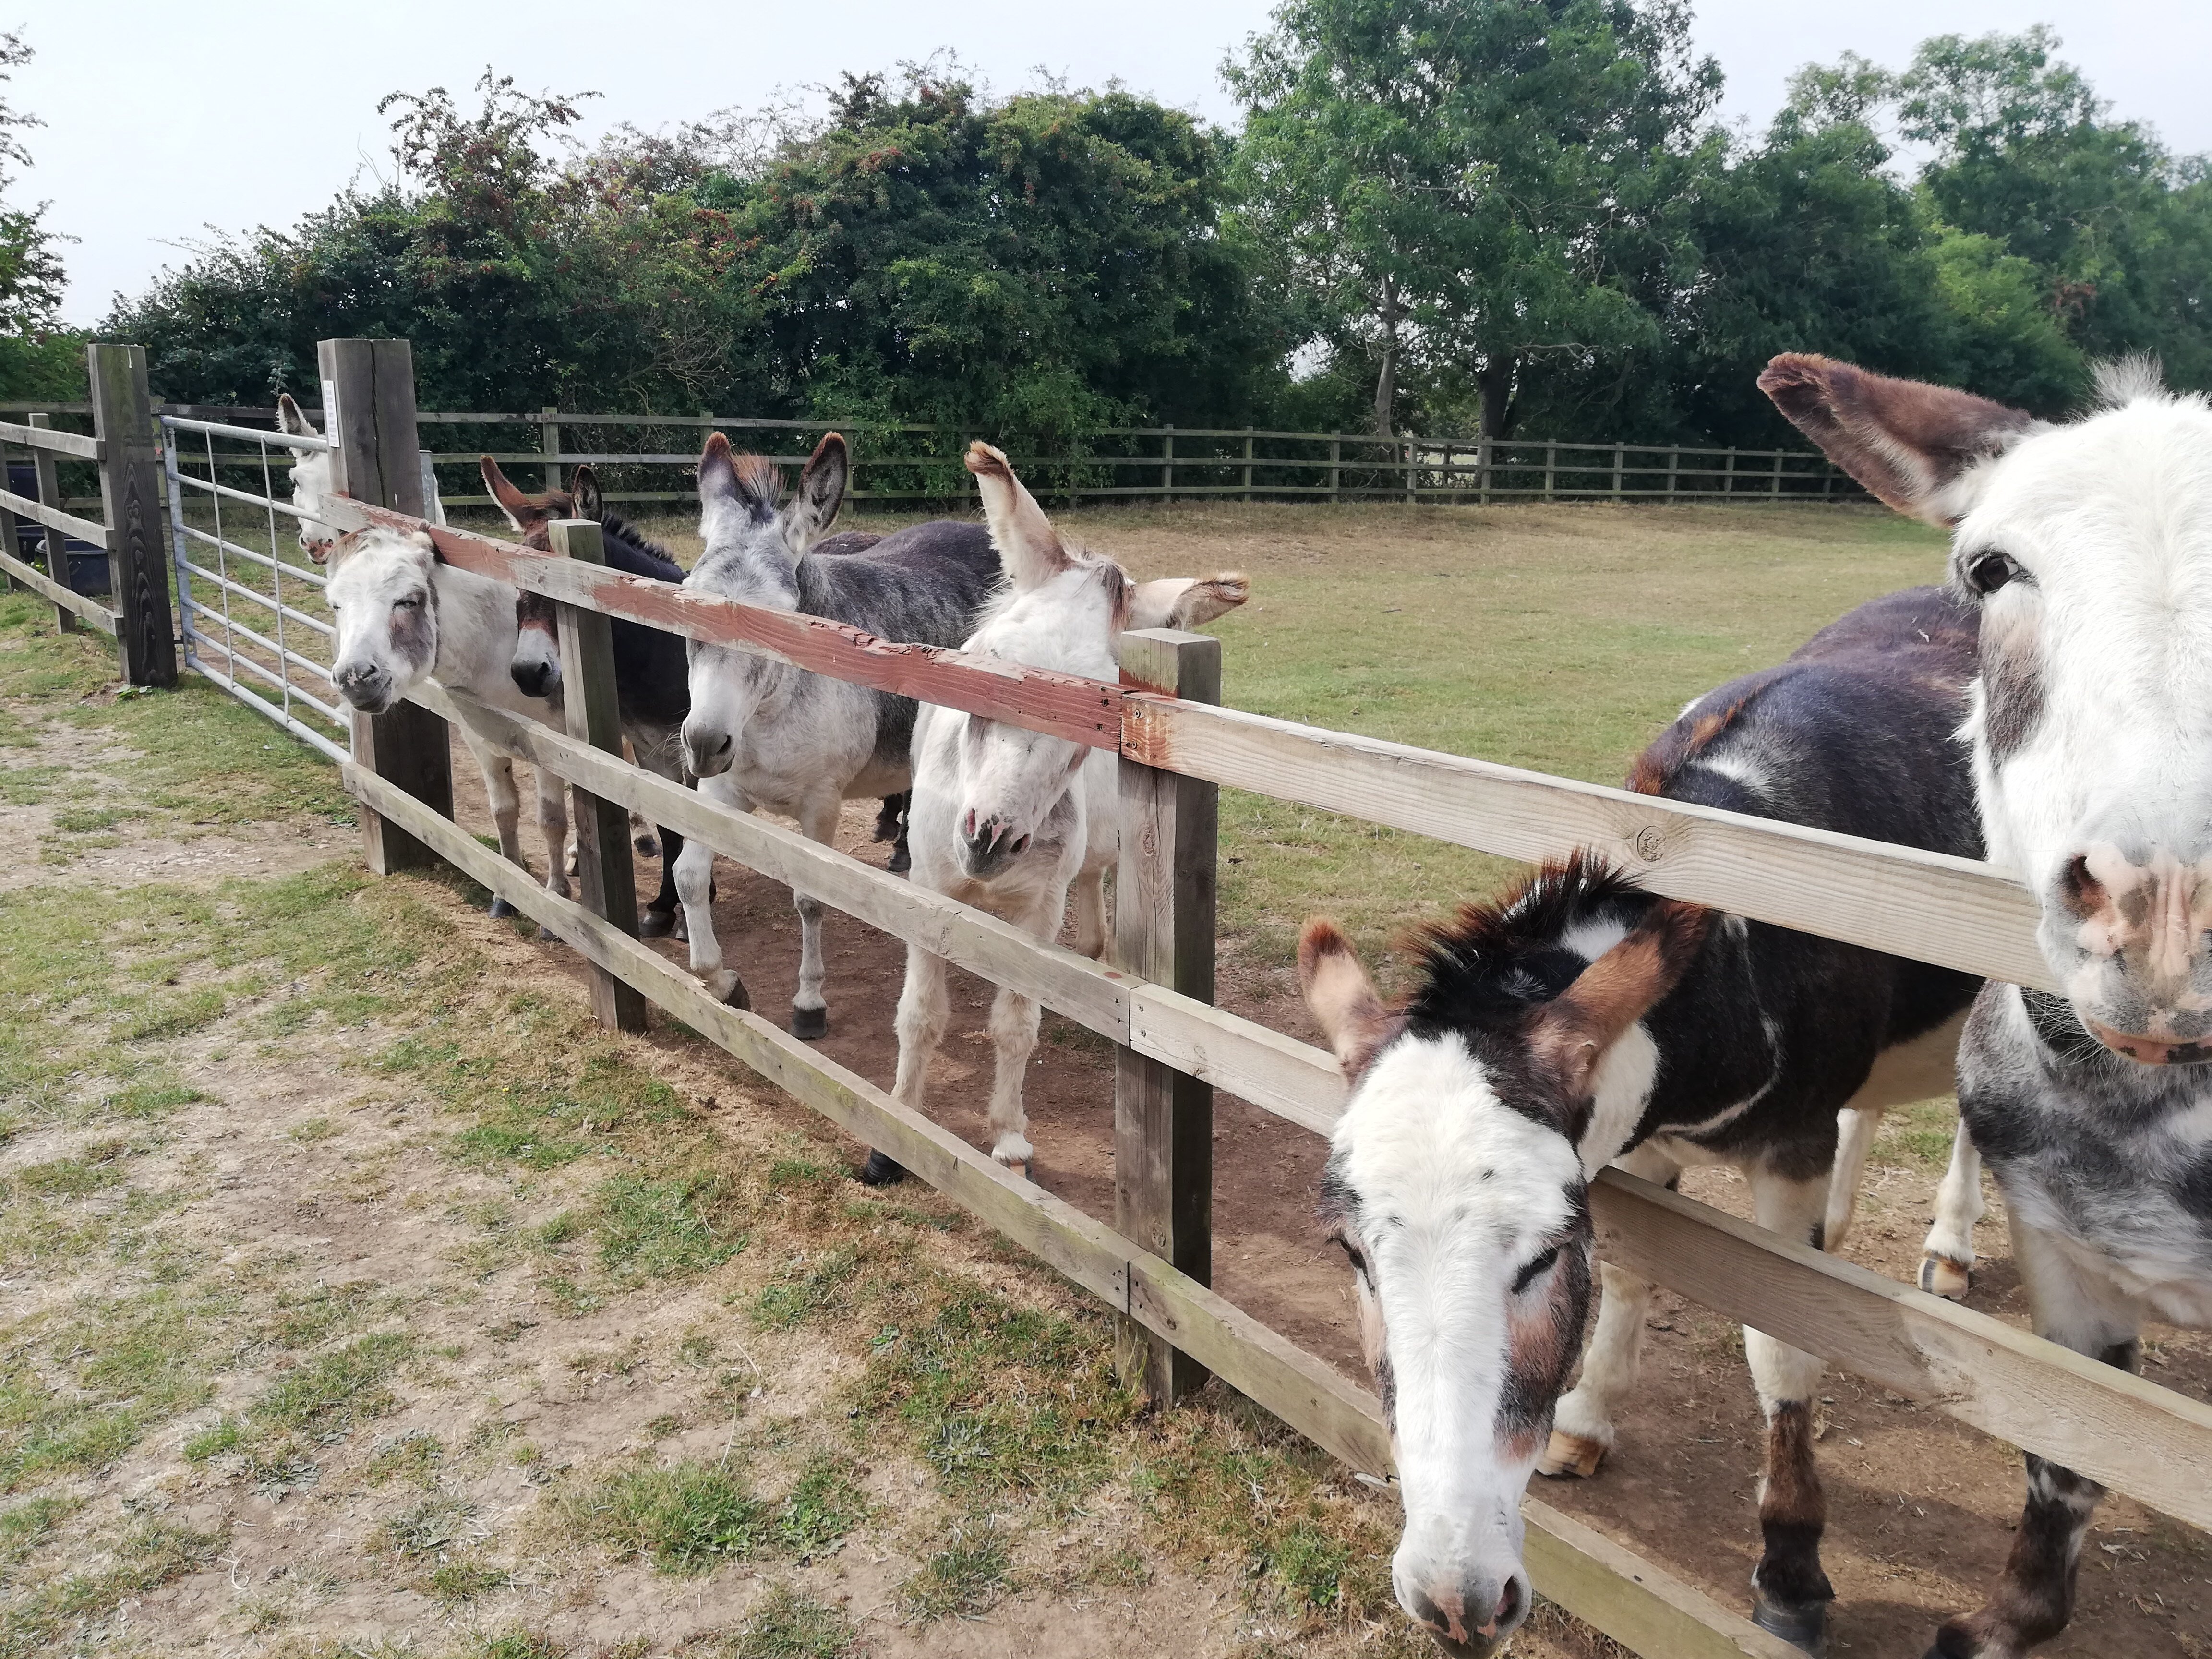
(38, 356)
(1476, 189)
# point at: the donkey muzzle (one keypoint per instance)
(707, 749)
(367, 689)
(536, 679)
(2136, 923)
(988, 844)
(1473, 1620)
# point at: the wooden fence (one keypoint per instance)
(122, 447)
(1172, 1046)
(915, 465)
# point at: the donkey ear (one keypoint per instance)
(749, 482)
(1574, 1030)
(1029, 547)
(1342, 998)
(420, 541)
(512, 502)
(335, 551)
(290, 420)
(821, 493)
(584, 493)
(1919, 447)
(1186, 601)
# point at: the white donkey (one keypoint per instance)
(1007, 819)
(403, 614)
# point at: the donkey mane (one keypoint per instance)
(615, 527)
(1679, 744)
(1497, 958)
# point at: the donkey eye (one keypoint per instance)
(1535, 1270)
(1353, 1255)
(410, 603)
(1988, 572)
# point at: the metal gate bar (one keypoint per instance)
(291, 699)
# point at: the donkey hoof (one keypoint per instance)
(880, 1171)
(656, 924)
(1804, 1627)
(1941, 1276)
(901, 860)
(500, 910)
(648, 847)
(724, 986)
(1570, 1455)
(809, 1023)
(1018, 1167)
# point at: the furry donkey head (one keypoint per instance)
(1060, 609)
(383, 595)
(1456, 1185)
(311, 480)
(754, 545)
(2087, 546)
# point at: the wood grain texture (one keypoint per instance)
(36, 434)
(373, 459)
(1163, 933)
(2129, 1433)
(131, 501)
(1591, 1576)
(589, 706)
(1953, 912)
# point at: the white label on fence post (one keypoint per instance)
(330, 411)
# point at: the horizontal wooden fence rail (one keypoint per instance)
(1954, 912)
(2133, 1434)
(1628, 1598)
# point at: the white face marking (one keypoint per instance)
(387, 619)
(2110, 521)
(311, 489)
(1457, 1194)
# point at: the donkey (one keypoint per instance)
(1577, 1021)
(311, 483)
(403, 613)
(650, 673)
(762, 733)
(1007, 819)
(2087, 548)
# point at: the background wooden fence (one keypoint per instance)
(919, 464)
(1172, 1046)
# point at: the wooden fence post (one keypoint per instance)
(368, 415)
(588, 708)
(9, 544)
(52, 543)
(1728, 478)
(549, 441)
(1777, 475)
(1482, 449)
(1619, 454)
(1551, 468)
(1164, 932)
(1335, 466)
(1167, 463)
(130, 499)
(1412, 488)
(1247, 465)
(1674, 468)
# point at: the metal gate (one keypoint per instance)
(261, 608)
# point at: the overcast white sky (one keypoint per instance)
(140, 97)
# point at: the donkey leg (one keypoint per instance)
(1014, 1028)
(1947, 1260)
(1790, 1591)
(925, 1008)
(694, 885)
(505, 801)
(2034, 1597)
(640, 833)
(660, 916)
(1854, 1132)
(1581, 1428)
(553, 824)
(810, 1015)
(1090, 886)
